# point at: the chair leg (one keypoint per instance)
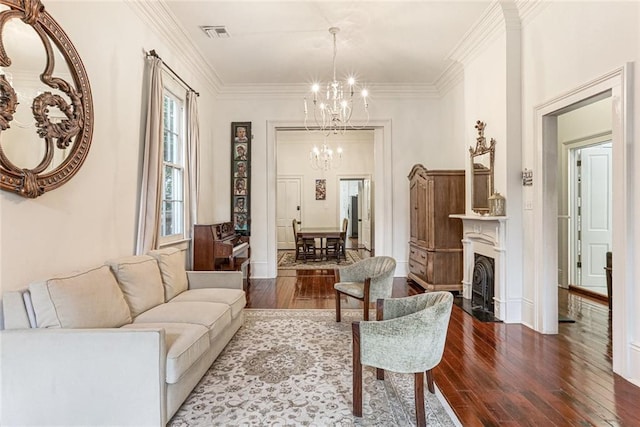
(432, 390)
(380, 374)
(337, 306)
(366, 299)
(419, 390)
(357, 371)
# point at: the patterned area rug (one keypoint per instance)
(287, 261)
(293, 367)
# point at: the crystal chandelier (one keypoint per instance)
(333, 107)
(323, 158)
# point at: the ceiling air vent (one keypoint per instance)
(216, 31)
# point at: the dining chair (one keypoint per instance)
(336, 246)
(305, 248)
(408, 337)
(367, 280)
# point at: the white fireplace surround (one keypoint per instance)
(486, 235)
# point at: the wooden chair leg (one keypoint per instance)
(432, 389)
(380, 374)
(419, 390)
(367, 287)
(337, 306)
(357, 371)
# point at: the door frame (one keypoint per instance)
(618, 85)
(383, 190)
(566, 239)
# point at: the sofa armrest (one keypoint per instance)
(83, 377)
(215, 279)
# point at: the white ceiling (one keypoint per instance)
(287, 42)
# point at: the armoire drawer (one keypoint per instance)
(418, 269)
(417, 254)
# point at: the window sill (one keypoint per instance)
(180, 244)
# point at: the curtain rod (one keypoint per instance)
(152, 52)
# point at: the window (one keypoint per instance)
(172, 222)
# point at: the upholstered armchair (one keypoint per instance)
(408, 337)
(367, 280)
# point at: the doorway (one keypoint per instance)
(356, 205)
(584, 134)
(617, 85)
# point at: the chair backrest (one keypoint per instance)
(380, 268)
(422, 320)
(295, 229)
(345, 224)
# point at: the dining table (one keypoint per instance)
(322, 233)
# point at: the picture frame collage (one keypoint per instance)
(241, 177)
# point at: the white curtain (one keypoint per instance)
(151, 188)
(191, 168)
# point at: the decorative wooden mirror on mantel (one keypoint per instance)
(481, 171)
(46, 109)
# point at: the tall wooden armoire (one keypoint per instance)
(435, 244)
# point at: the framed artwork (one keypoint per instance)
(321, 189)
(241, 177)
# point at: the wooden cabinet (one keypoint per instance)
(435, 246)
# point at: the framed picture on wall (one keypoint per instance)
(321, 189)
(241, 177)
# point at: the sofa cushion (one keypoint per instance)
(174, 276)
(185, 344)
(89, 299)
(139, 278)
(234, 298)
(15, 311)
(214, 316)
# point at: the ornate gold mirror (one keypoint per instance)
(46, 110)
(481, 171)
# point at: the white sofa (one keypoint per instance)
(120, 344)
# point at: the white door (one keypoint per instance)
(287, 208)
(594, 210)
(366, 214)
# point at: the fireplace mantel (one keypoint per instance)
(485, 235)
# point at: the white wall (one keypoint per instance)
(454, 125)
(93, 217)
(293, 159)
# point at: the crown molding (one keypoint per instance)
(529, 9)
(163, 22)
(483, 31)
(498, 18)
(450, 77)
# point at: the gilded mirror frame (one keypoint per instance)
(74, 131)
(479, 175)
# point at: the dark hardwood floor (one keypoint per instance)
(494, 374)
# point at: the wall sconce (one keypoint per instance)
(527, 177)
